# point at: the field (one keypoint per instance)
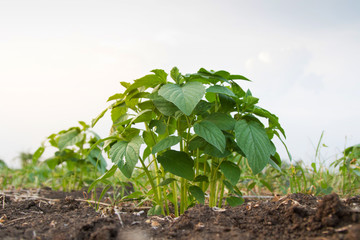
(191, 158)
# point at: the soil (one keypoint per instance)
(47, 214)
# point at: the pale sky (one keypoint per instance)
(61, 60)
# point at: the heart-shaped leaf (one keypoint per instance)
(185, 97)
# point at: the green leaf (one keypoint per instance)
(95, 120)
(96, 159)
(165, 107)
(214, 152)
(220, 89)
(146, 105)
(117, 112)
(126, 154)
(202, 107)
(211, 133)
(197, 193)
(166, 143)
(166, 182)
(38, 153)
(177, 163)
(155, 210)
(185, 97)
(234, 201)
(160, 126)
(214, 77)
(252, 139)
(116, 96)
(175, 74)
(237, 90)
(227, 103)
(221, 120)
(232, 77)
(231, 171)
(149, 139)
(70, 138)
(143, 116)
(161, 74)
(201, 178)
(146, 82)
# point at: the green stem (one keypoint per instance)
(222, 187)
(151, 180)
(174, 188)
(212, 201)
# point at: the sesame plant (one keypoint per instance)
(188, 134)
(73, 162)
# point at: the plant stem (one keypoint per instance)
(174, 188)
(222, 187)
(151, 180)
(212, 200)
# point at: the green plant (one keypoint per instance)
(194, 127)
(73, 162)
(349, 167)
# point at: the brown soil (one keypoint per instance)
(46, 214)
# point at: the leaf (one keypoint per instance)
(38, 153)
(155, 210)
(166, 182)
(237, 90)
(232, 77)
(96, 159)
(95, 120)
(117, 112)
(143, 116)
(149, 139)
(176, 76)
(197, 193)
(166, 143)
(252, 139)
(115, 97)
(220, 89)
(234, 201)
(214, 77)
(201, 178)
(70, 138)
(177, 163)
(214, 152)
(221, 120)
(161, 74)
(197, 142)
(231, 171)
(185, 97)
(211, 133)
(202, 107)
(227, 103)
(160, 126)
(146, 82)
(126, 154)
(165, 107)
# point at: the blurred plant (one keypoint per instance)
(76, 163)
(349, 167)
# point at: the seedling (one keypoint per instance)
(191, 126)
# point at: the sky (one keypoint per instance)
(61, 60)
